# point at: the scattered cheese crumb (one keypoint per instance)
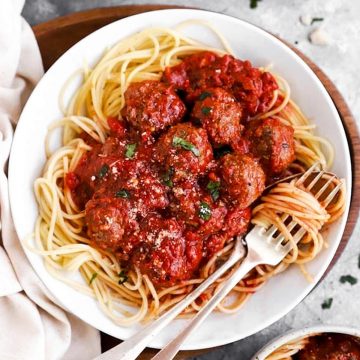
(306, 19)
(319, 37)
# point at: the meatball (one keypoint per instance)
(242, 179)
(253, 88)
(214, 243)
(151, 106)
(185, 199)
(196, 208)
(109, 221)
(165, 253)
(214, 218)
(184, 152)
(114, 209)
(237, 221)
(273, 142)
(139, 185)
(145, 191)
(220, 114)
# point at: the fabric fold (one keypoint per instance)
(32, 325)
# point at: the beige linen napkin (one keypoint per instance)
(32, 326)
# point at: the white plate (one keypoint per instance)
(283, 292)
(298, 334)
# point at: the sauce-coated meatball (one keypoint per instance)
(184, 151)
(273, 142)
(109, 221)
(242, 178)
(220, 115)
(164, 254)
(185, 199)
(196, 208)
(236, 223)
(152, 106)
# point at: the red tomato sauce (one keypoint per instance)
(175, 179)
(251, 87)
(331, 347)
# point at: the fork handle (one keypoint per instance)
(172, 348)
(132, 347)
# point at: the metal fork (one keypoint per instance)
(262, 248)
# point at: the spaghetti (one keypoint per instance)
(127, 295)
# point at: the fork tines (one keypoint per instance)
(324, 186)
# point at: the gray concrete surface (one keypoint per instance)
(340, 60)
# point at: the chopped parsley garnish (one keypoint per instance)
(206, 110)
(359, 262)
(204, 211)
(178, 141)
(123, 193)
(327, 303)
(167, 177)
(214, 189)
(130, 151)
(94, 275)
(254, 4)
(316, 19)
(348, 278)
(204, 95)
(103, 171)
(123, 277)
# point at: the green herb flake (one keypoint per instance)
(327, 303)
(316, 19)
(359, 262)
(123, 193)
(103, 171)
(130, 151)
(254, 4)
(348, 279)
(214, 189)
(167, 177)
(93, 277)
(206, 110)
(123, 277)
(204, 211)
(178, 141)
(204, 95)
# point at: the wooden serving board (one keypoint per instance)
(58, 35)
